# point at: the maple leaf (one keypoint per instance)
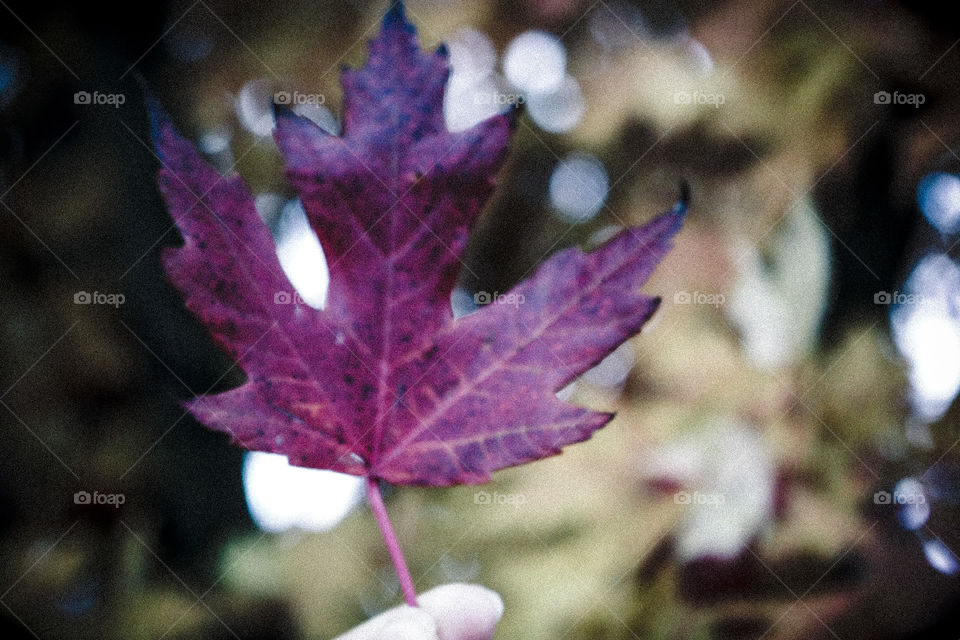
(383, 382)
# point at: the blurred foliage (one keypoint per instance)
(803, 190)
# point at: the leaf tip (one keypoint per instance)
(683, 203)
(396, 17)
(513, 116)
(159, 120)
(281, 111)
(672, 221)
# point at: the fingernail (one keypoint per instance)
(463, 611)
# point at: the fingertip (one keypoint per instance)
(463, 611)
(412, 624)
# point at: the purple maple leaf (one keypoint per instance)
(384, 382)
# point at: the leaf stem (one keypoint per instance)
(393, 546)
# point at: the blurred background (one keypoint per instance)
(784, 463)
